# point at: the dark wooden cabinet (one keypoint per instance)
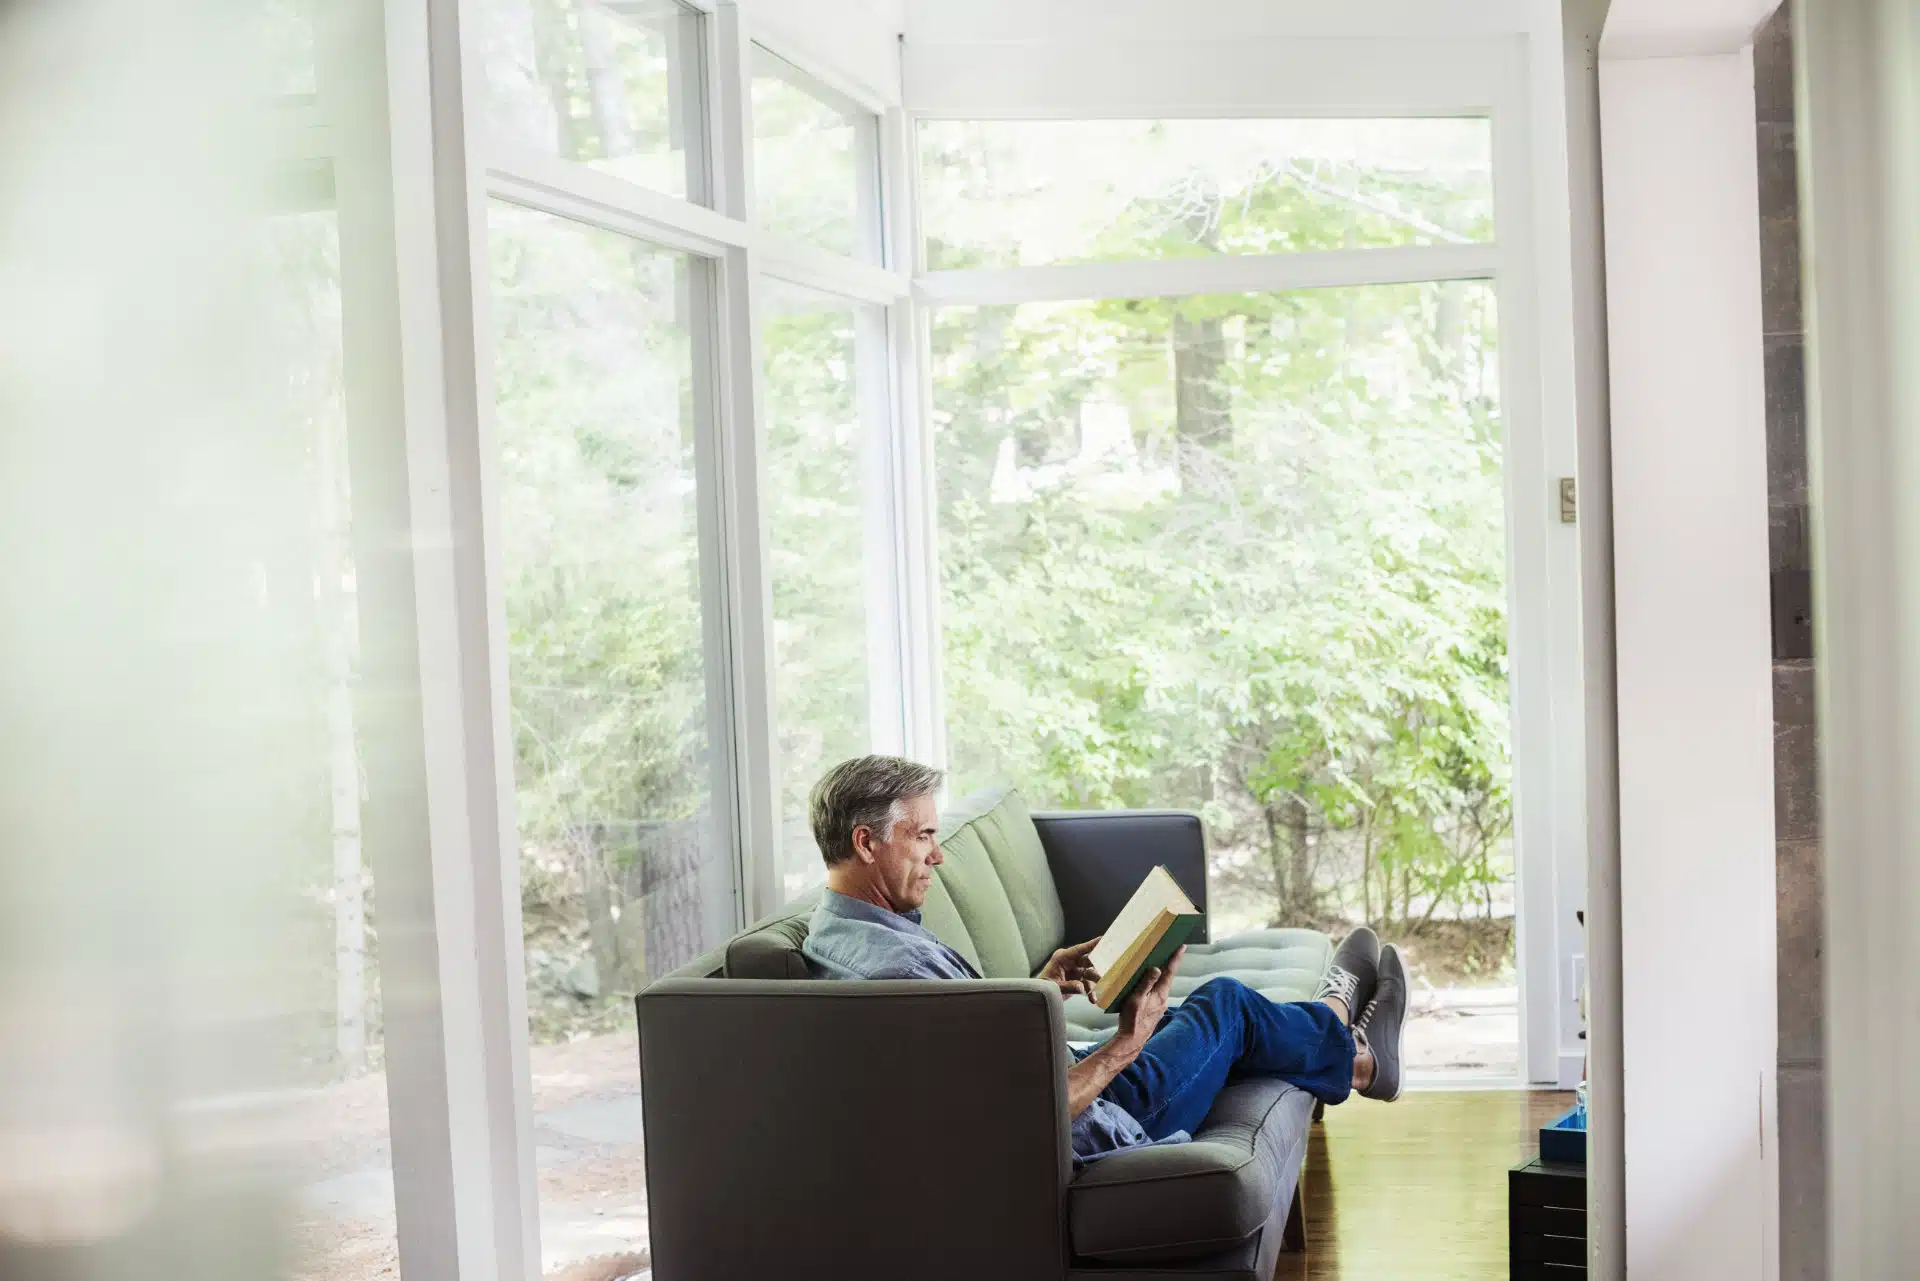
(1547, 1221)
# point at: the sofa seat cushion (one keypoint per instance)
(1192, 1200)
(1283, 965)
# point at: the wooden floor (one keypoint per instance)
(1416, 1190)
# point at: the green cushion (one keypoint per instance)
(940, 916)
(970, 877)
(1006, 828)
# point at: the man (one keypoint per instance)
(1156, 1078)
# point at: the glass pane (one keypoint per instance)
(344, 1215)
(816, 170)
(1007, 193)
(614, 84)
(621, 868)
(1246, 554)
(822, 483)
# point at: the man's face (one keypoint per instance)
(903, 862)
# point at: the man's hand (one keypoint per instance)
(1071, 971)
(1144, 1009)
(1138, 1017)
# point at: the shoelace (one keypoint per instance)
(1364, 1019)
(1342, 984)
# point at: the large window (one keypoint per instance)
(826, 455)
(619, 860)
(1240, 552)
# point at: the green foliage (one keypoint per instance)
(1241, 552)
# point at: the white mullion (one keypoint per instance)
(873, 393)
(439, 827)
(1229, 273)
(575, 191)
(1534, 535)
(917, 508)
(800, 263)
(713, 395)
(915, 549)
(744, 546)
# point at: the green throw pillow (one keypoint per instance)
(970, 877)
(1005, 827)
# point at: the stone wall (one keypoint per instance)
(1797, 851)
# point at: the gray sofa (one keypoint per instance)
(775, 1104)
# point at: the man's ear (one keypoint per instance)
(863, 844)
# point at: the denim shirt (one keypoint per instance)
(852, 939)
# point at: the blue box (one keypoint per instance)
(1564, 1139)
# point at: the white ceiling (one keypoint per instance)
(1674, 28)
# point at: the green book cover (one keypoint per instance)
(1176, 936)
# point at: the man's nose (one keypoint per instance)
(936, 858)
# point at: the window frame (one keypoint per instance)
(1096, 75)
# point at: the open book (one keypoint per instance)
(1150, 928)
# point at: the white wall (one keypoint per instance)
(1694, 675)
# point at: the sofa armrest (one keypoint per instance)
(1098, 859)
(767, 1103)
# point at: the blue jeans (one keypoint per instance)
(1223, 1032)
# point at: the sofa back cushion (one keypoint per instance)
(1008, 906)
(942, 916)
(1013, 843)
(992, 900)
(969, 876)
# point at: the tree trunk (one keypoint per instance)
(1447, 359)
(552, 56)
(1202, 414)
(1300, 846)
(672, 858)
(602, 935)
(1276, 855)
(605, 89)
(1366, 868)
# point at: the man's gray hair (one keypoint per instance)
(869, 792)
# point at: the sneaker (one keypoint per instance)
(1356, 967)
(1379, 1028)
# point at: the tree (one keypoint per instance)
(1277, 590)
